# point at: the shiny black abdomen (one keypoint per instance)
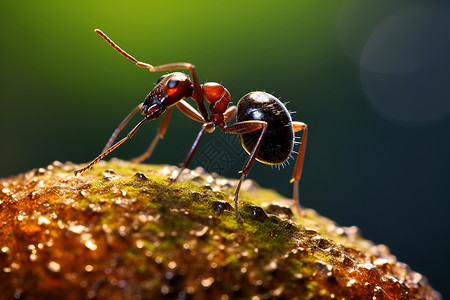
(279, 139)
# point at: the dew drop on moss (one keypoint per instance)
(140, 176)
(221, 207)
(257, 213)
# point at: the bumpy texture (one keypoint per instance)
(107, 235)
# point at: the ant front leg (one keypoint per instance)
(188, 158)
(111, 149)
(299, 126)
(242, 128)
(189, 111)
(186, 109)
(208, 127)
(121, 126)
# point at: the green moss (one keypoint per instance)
(83, 203)
(311, 286)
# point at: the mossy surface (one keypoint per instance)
(108, 235)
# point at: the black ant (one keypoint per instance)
(266, 129)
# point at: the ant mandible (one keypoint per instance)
(263, 123)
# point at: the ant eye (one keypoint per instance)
(172, 83)
(161, 78)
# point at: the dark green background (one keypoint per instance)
(371, 80)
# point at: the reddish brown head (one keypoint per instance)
(219, 98)
(169, 89)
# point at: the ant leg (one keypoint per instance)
(186, 161)
(299, 126)
(241, 128)
(159, 135)
(186, 109)
(208, 127)
(229, 113)
(121, 126)
(197, 95)
(111, 149)
(189, 111)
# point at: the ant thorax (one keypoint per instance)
(219, 98)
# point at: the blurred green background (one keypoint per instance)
(370, 78)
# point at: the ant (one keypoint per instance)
(265, 127)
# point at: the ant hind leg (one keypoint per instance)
(299, 126)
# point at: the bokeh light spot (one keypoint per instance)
(405, 65)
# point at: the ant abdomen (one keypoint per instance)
(278, 141)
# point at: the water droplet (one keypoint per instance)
(57, 164)
(272, 266)
(121, 284)
(54, 266)
(140, 176)
(43, 220)
(322, 243)
(88, 268)
(90, 244)
(77, 228)
(200, 232)
(277, 292)
(15, 266)
(164, 290)
(280, 210)
(351, 282)
(257, 213)
(122, 231)
(139, 244)
(169, 275)
(40, 171)
(172, 265)
(207, 282)
(221, 206)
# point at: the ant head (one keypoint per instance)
(169, 89)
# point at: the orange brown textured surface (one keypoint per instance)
(106, 235)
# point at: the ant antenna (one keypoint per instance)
(114, 45)
(124, 53)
